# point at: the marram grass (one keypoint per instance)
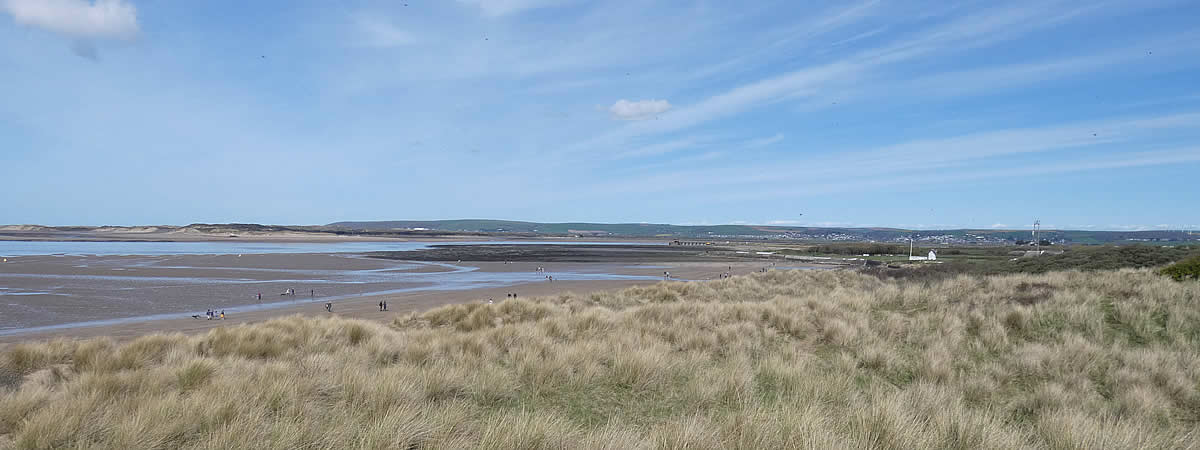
(785, 359)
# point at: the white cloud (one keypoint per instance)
(999, 225)
(638, 110)
(376, 32)
(76, 18)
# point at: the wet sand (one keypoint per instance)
(360, 308)
(87, 288)
(50, 290)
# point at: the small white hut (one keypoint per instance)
(932, 257)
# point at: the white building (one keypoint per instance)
(932, 257)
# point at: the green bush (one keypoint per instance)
(1183, 270)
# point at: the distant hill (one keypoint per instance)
(642, 230)
(510, 228)
(569, 228)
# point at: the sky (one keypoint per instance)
(925, 114)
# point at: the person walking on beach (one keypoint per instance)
(328, 307)
(381, 306)
(222, 314)
(260, 296)
(385, 306)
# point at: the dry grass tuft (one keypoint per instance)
(779, 359)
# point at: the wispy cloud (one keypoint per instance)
(764, 142)
(1143, 159)
(660, 148)
(498, 8)
(976, 30)
(828, 173)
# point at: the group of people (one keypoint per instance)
(383, 306)
(212, 314)
(292, 292)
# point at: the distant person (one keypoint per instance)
(381, 306)
(489, 301)
(314, 292)
(222, 314)
(385, 306)
(260, 296)
(328, 307)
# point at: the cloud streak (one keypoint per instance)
(826, 173)
(500, 8)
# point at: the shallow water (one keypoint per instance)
(31, 248)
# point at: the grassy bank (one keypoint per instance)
(780, 359)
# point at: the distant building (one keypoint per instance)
(932, 257)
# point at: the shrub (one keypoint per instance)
(1183, 270)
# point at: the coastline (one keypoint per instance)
(365, 306)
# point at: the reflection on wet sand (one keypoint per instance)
(55, 291)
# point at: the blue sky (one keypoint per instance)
(910, 114)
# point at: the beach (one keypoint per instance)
(119, 295)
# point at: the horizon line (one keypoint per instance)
(936, 227)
